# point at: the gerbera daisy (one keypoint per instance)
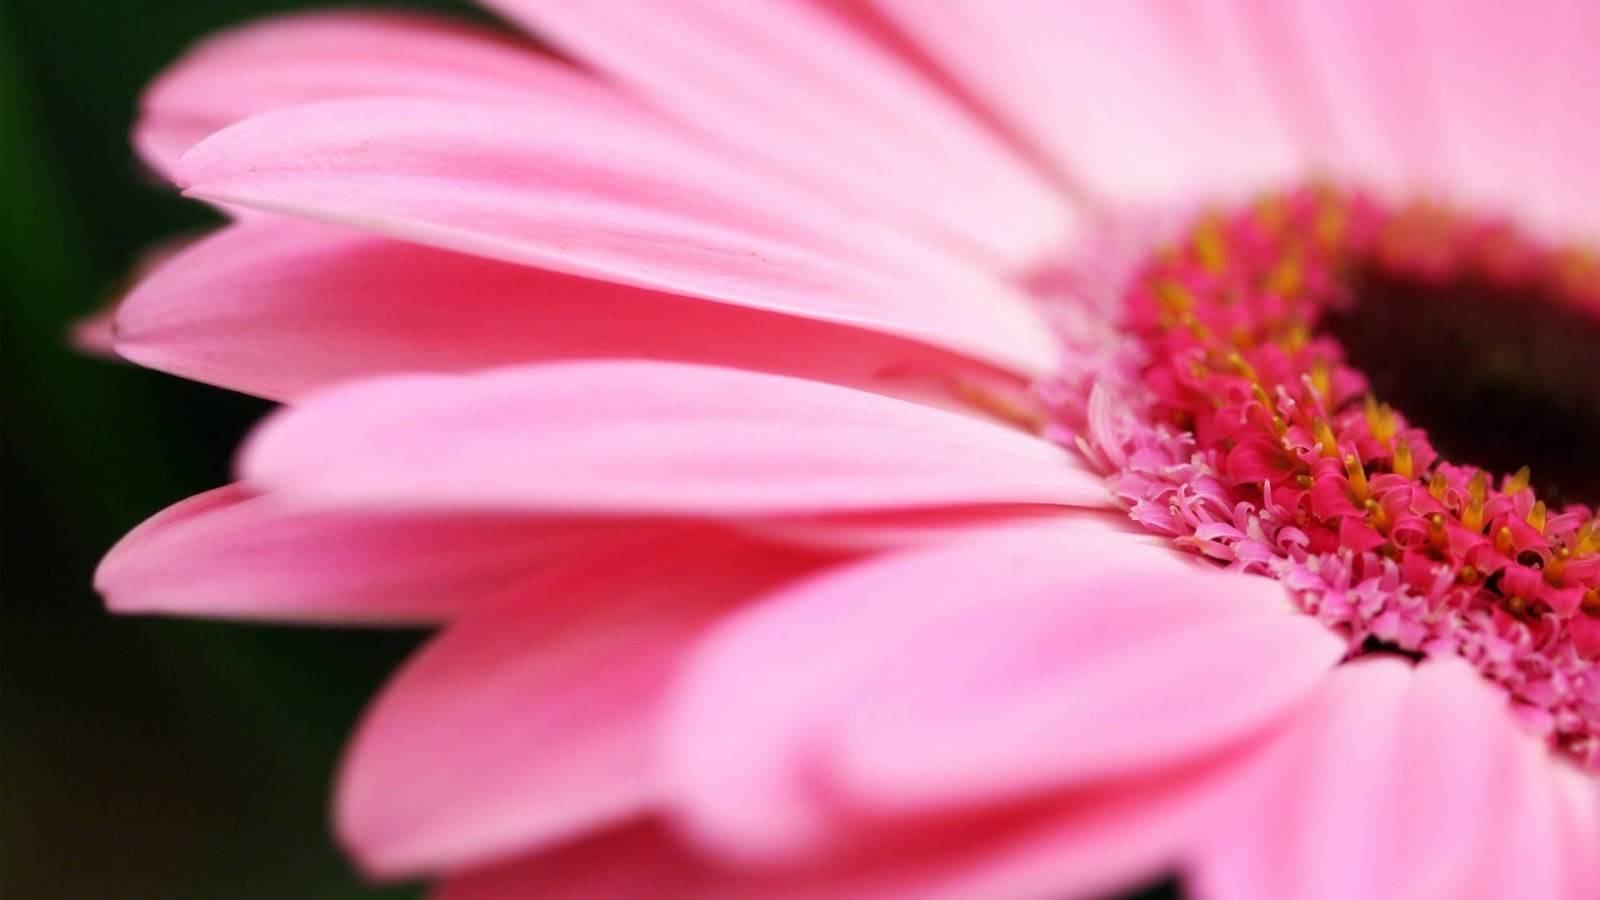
(915, 448)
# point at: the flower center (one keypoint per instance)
(1492, 353)
(1352, 397)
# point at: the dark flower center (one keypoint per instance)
(1499, 373)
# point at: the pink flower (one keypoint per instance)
(915, 449)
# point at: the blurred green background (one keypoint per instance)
(141, 757)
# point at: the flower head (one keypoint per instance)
(915, 449)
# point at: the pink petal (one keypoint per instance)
(634, 860)
(1402, 783)
(768, 735)
(1006, 699)
(310, 304)
(1267, 29)
(795, 88)
(1519, 101)
(532, 721)
(1477, 101)
(619, 436)
(1098, 842)
(1569, 198)
(1135, 102)
(1371, 61)
(628, 201)
(1579, 796)
(298, 59)
(232, 552)
(1088, 845)
(1533, 856)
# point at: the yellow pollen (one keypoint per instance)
(1261, 396)
(1380, 418)
(1321, 377)
(1241, 366)
(1304, 481)
(1504, 540)
(1375, 514)
(1296, 336)
(1517, 605)
(1403, 465)
(1330, 224)
(1272, 211)
(1591, 600)
(1324, 436)
(1477, 494)
(1174, 296)
(1194, 325)
(1210, 246)
(1536, 516)
(1358, 477)
(1436, 486)
(1468, 575)
(1517, 481)
(1437, 538)
(1557, 564)
(1287, 278)
(1588, 539)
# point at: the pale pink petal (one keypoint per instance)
(1113, 680)
(531, 722)
(301, 58)
(628, 436)
(1579, 795)
(1497, 94)
(1076, 846)
(754, 738)
(311, 304)
(1267, 30)
(593, 192)
(797, 89)
(1134, 102)
(1519, 100)
(1395, 787)
(1532, 858)
(1569, 197)
(1372, 64)
(236, 553)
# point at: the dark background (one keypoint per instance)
(142, 758)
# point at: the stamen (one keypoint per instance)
(1537, 515)
(1477, 495)
(1358, 478)
(1403, 463)
(1517, 481)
